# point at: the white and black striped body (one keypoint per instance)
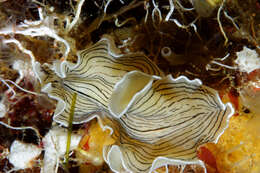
(170, 120)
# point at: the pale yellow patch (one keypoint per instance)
(90, 149)
(238, 147)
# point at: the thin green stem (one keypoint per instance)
(72, 109)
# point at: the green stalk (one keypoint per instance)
(72, 109)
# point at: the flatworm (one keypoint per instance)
(155, 119)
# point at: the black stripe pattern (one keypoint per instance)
(171, 119)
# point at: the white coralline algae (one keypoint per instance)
(247, 60)
(55, 147)
(2, 110)
(22, 155)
